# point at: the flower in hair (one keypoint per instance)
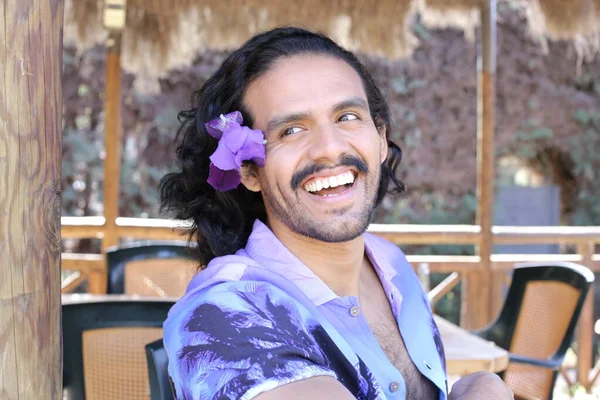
(237, 143)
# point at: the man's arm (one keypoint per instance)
(480, 385)
(240, 338)
(319, 387)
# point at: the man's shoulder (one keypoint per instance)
(230, 269)
(233, 282)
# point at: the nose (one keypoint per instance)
(327, 143)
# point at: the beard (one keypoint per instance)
(345, 226)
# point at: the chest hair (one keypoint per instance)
(386, 332)
(378, 313)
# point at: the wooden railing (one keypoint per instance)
(462, 268)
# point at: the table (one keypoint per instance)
(467, 353)
(75, 298)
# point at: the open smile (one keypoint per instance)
(330, 186)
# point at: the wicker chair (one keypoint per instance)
(537, 322)
(158, 374)
(149, 268)
(103, 345)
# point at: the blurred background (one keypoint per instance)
(547, 108)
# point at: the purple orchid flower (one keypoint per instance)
(237, 143)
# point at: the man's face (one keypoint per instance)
(324, 153)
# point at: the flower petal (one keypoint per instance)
(252, 151)
(216, 127)
(256, 136)
(223, 158)
(234, 136)
(223, 180)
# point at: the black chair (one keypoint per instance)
(161, 387)
(103, 345)
(150, 268)
(537, 323)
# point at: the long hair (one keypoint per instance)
(222, 221)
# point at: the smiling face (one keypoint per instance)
(324, 153)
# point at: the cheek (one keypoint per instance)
(372, 148)
(278, 169)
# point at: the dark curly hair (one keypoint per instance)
(222, 221)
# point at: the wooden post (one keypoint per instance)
(30, 185)
(498, 284)
(585, 329)
(478, 308)
(112, 160)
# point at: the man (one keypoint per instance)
(284, 157)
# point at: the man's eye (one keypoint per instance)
(348, 117)
(290, 131)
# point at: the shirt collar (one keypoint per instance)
(268, 251)
(379, 259)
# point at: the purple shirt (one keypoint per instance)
(261, 318)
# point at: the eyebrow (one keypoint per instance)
(353, 102)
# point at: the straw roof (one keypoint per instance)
(161, 35)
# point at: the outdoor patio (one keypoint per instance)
(34, 233)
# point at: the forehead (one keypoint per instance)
(306, 83)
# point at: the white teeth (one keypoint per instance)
(331, 182)
(350, 177)
(343, 179)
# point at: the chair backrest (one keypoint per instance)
(103, 345)
(538, 321)
(150, 268)
(158, 371)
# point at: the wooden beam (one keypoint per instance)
(112, 138)
(72, 281)
(398, 233)
(30, 185)
(112, 160)
(545, 234)
(477, 309)
(427, 234)
(151, 228)
(585, 329)
(82, 227)
(82, 262)
(443, 288)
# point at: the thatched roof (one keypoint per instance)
(164, 34)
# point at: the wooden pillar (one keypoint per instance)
(477, 291)
(30, 185)
(585, 329)
(112, 160)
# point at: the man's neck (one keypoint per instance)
(337, 264)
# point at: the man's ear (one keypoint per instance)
(383, 145)
(249, 177)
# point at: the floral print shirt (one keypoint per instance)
(260, 318)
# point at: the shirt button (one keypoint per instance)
(394, 386)
(427, 366)
(354, 311)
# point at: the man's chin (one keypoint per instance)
(334, 230)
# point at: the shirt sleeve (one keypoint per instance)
(235, 340)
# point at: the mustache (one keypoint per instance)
(343, 161)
